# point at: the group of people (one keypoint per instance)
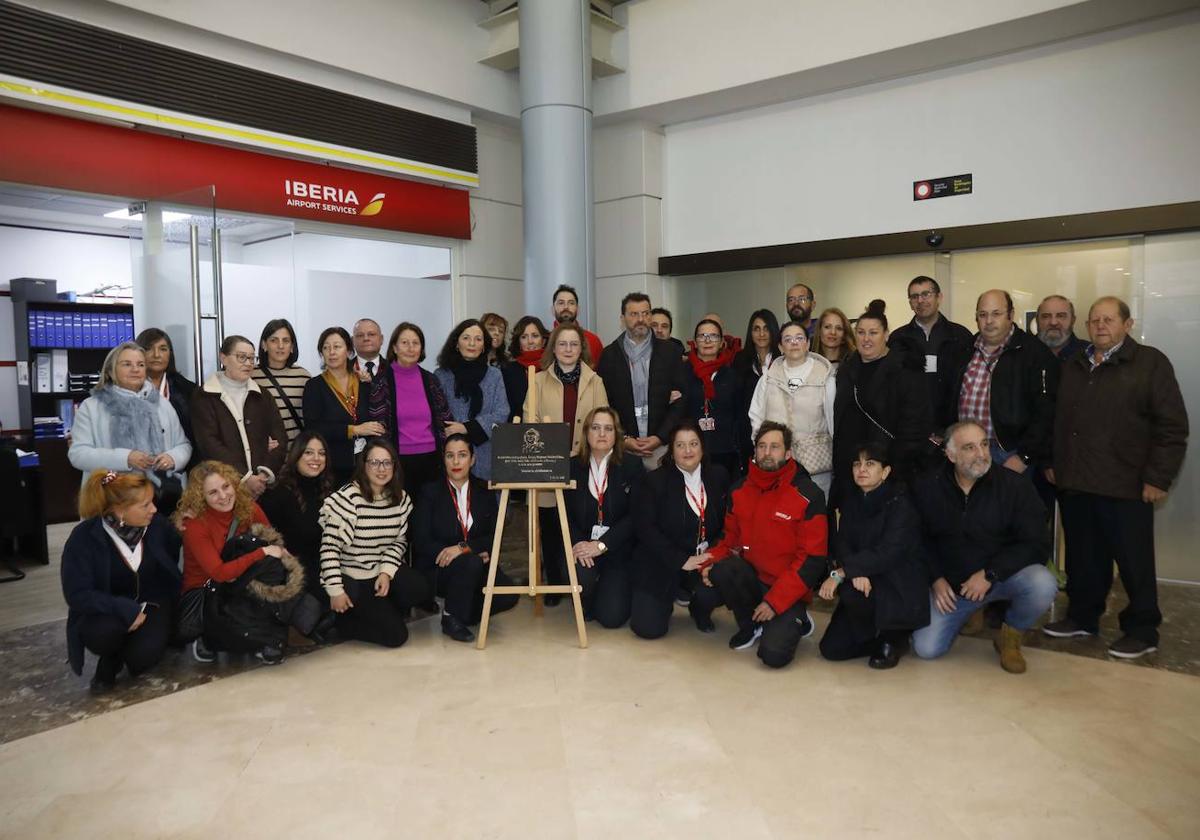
(906, 474)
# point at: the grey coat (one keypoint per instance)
(479, 428)
(104, 433)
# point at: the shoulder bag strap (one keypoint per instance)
(867, 414)
(284, 396)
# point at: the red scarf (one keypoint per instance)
(530, 357)
(705, 370)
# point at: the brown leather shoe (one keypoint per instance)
(974, 625)
(1008, 645)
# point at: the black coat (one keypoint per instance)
(879, 537)
(439, 408)
(1024, 387)
(946, 343)
(895, 398)
(435, 521)
(728, 408)
(666, 375)
(181, 389)
(1000, 526)
(668, 530)
(583, 513)
(324, 413)
(87, 563)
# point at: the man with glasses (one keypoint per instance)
(1120, 439)
(800, 303)
(985, 541)
(644, 379)
(930, 338)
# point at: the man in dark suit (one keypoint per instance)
(368, 340)
(644, 378)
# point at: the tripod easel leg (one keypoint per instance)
(493, 564)
(535, 551)
(576, 595)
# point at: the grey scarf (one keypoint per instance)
(639, 375)
(133, 418)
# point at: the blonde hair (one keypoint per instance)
(108, 371)
(192, 503)
(585, 353)
(105, 491)
(848, 345)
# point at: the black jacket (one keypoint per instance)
(666, 375)
(582, 511)
(87, 562)
(299, 525)
(435, 521)
(324, 413)
(728, 408)
(879, 537)
(1024, 385)
(1000, 526)
(946, 342)
(439, 408)
(181, 389)
(894, 399)
(668, 530)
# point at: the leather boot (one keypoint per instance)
(1008, 645)
(974, 625)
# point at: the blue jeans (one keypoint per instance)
(999, 456)
(1030, 592)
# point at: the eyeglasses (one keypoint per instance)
(245, 358)
(925, 295)
(793, 339)
(708, 337)
(799, 298)
(380, 463)
(567, 345)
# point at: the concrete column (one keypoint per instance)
(556, 151)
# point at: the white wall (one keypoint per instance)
(79, 262)
(1093, 125)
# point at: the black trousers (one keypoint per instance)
(461, 584)
(1101, 530)
(554, 562)
(381, 621)
(607, 590)
(731, 461)
(851, 632)
(109, 638)
(739, 588)
(419, 470)
(653, 603)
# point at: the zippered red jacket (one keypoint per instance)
(776, 522)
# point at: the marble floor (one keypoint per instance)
(627, 739)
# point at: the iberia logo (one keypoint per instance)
(373, 206)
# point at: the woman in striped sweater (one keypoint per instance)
(364, 539)
(279, 376)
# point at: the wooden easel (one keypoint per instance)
(535, 588)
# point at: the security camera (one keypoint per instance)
(934, 239)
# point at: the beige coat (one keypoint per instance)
(550, 404)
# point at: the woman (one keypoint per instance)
(799, 391)
(293, 505)
(474, 390)
(235, 422)
(600, 516)
(880, 401)
(496, 327)
(417, 410)
(567, 391)
(528, 341)
(279, 376)
(452, 543)
(364, 537)
(119, 578)
(714, 399)
(253, 588)
(333, 404)
(172, 386)
(126, 425)
(876, 568)
(762, 345)
(680, 513)
(834, 337)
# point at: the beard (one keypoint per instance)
(977, 468)
(565, 318)
(1053, 337)
(769, 464)
(799, 313)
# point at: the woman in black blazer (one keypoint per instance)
(600, 516)
(672, 533)
(335, 404)
(160, 370)
(455, 521)
(120, 578)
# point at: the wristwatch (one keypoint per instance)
(838, 575)
(465, 546)
(603, 548)
(990, 575)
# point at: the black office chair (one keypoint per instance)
(21, 516)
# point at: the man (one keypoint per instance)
(566, 311)
(772, 557)
(644, 378)
(800, 303)
(930, 340)
(368, 339)
(1056, 327)
(985, 541)
(1119, 442)
(662, 323)
(1006, 382)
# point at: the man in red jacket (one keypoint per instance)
(772, 557)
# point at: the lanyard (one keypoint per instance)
(458, 512)
(701, 504)
(600, 491)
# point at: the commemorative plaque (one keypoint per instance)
(531, 453)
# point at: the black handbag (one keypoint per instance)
(196, 603)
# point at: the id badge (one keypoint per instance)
(702, 547)
(708, 424)
(598, 531)
(359, 445)
(930, 363)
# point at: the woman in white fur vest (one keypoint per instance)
(798, 391)
(126, 426)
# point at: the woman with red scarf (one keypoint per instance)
(528, 344)
(714, 399)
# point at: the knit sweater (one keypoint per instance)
(291, 382)
(361, 538)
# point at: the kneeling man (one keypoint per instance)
(986, 541)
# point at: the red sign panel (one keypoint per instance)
(54, 151)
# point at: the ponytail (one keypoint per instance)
(106, 490)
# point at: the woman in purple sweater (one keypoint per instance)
(416, 408)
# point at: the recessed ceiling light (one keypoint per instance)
(167, 215)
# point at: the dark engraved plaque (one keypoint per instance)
(531, 453)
